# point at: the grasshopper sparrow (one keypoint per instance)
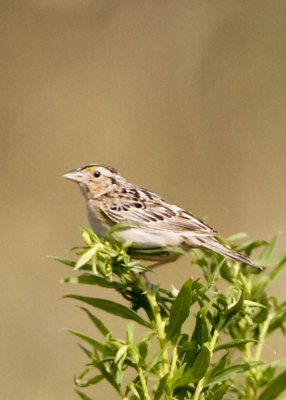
(154, 223)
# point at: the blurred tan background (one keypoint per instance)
(186, 98)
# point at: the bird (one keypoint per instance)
(152, 223)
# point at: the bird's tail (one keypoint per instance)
(212, 244)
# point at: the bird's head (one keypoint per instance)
(94, 179)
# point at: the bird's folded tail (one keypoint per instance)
(212, 244)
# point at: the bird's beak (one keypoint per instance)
(75, 176)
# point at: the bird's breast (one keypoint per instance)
(100, 225)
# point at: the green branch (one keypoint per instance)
(187, 325)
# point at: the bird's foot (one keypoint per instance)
(149, 285)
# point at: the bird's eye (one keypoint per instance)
(96, 174)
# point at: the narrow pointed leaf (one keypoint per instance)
(217, 368)
(121, 352)
(275, 388)
(279, 363)
(237, 306)
(89, 382)
(93, 342)
(162, 385)
(279, 268)
(130, 332)
(236, 236)
(133, 390)
(64, 261)
(266, 257)
(234, 343)
(198, 370)
(231, 371)
(180, 311)
(112, 308)
(154, 362)
(254, 304)
(171, 249)
(109, 377)
(117, 227)
(82, 395)
(201, 364)
(89, 279)
(143, 349)
(85, 258)
(201, 331)
(86, 351)
(100, 326)
(86, 237)
(91, 234)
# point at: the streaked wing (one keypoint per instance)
(153, 213)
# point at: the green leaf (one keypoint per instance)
(117, 227)
(143, 349)
(127, 244)
(266, 257)
(111, 307)
(227, 272)
(265, 280)
(234, 343)
(64, 261)
(86, 351)
(248, 247)
(198, 370)
(122, 352)
(278, 269)
(171, 249)
(133, 390)
(237, 306)
(133, 353)
(201, 364)
(155, 361)
(275, 388)
(231, 371)
(217, 368)
(84, 259)
(86, 238)
(254, 304)
(108, 377)
(130, 332)
(236, 236)
(85, 383)
(217, 392)
(279, 363)
(190, 351)
(160, 389)
(93, 342)
(89, 279)
(82, 395)
(100, 326)
(180, 311)
(201, 331)
(90, 233)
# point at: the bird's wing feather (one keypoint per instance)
(153, 213)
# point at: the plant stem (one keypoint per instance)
(200, 384)
(247, 352)
(171, 373)
(262, 335)
(198, 389)
(143, 383)
(160, 330)
(174, 360)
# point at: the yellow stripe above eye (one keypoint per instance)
(90, 169)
